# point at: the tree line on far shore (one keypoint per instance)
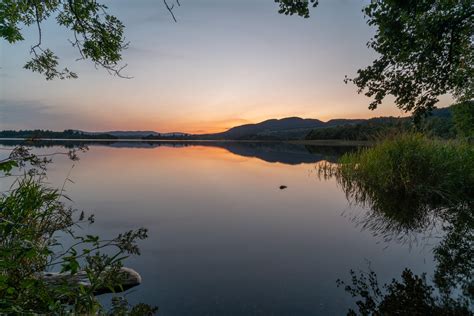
(456, 121)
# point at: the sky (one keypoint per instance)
(224, 63)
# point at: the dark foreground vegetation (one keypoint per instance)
(407, 184)
(40, 232)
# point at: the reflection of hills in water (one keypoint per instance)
(286, 153)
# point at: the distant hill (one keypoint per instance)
(295, 128)
(438, 124)
(290, 128)
(138, 134)
(47, 134)
(132, 134)
(267, 129)
(78, 134)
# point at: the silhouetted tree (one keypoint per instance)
(463, 116)
(425, 50)
(299, 7)
(98, 36)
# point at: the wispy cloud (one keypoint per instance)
(20, 114)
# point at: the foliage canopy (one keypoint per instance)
(97, 35)
(463, 114)
(425, 50)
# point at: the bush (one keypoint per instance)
(35, 224)
(463, 117)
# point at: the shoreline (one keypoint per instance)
(335, 142)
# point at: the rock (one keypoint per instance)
(282, 187)
(131, 278)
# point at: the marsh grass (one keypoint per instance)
(408, 183)
(412, 165)
(409, 166)
(405, 178)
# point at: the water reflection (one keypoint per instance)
(224, 239)
(455, 254)
(281, 152)
(401, 215)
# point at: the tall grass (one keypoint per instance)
(36, 229)
(404, 177)
(412, 165)
(409, 181)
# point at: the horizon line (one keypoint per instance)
(202, 132)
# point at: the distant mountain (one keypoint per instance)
(266, 128)
(339, 122)
(133, 134)
(296, 128)
(289, 128)
(438, 124)
(78, 134)
(141, 134)
(174, 134)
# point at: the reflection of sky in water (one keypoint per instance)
(224, 239)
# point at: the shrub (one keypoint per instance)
(463, 117)
(35, 222)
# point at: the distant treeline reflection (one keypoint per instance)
(282, 152)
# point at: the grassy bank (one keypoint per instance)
(412, 164)
(408, 183)
(404, 178)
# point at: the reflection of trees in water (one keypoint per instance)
(403, 216)
(396, 217)
(411, 295)
(455, 254)
(398, 227)
(281, 152)
(390, 214)
(330, 151)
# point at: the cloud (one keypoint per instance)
(20, 114)
(142, 52)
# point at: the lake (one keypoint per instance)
(224, 239)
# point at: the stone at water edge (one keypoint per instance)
(131, 279)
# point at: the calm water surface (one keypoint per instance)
(223, 238)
